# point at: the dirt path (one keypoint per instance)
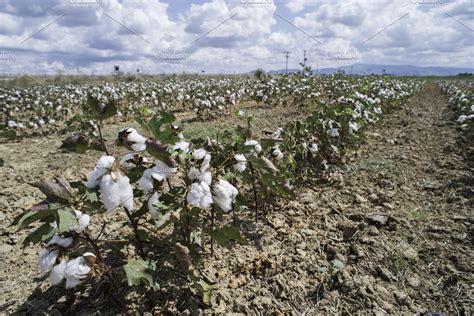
(389, 232)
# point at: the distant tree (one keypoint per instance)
(259, 73)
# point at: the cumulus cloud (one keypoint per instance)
(230, 36)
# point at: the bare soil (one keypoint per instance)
(391, 231)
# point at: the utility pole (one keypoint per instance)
(286, 68)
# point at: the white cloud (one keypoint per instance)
(132, 33)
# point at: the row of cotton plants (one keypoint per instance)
(181, 196)
(44, 109)
(40, 110)
(461, 99)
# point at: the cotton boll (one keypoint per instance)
(128, 162)
(333, 132)
(83, 222)
(130, 138)
(154, 199)
(103, 166)
(313, 148)
(47, 259)
(224, 195)
(160, 172)
(198, 174)
(277, 134)
(378, 111)
(64, 242)
(276, 153)
(77, 271)
(159, 218)
(116, 193)
(461, 118)
(353, 127)
(58, 273)
(182, 145)
(241, 162)
(199, 154)
(199, 195)
(256, 146)
(163, 170)
(145, 183)
(206, 162)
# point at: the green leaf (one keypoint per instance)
(32, 216)
(161, 129)
(92, 195)
(167, 117)
(41, 234)
(139, 271)
(241, 200)
(93, 107)
(234, 234)
(226, 234)
(219, 237)
(67, 220)
(205, 289)
(2, 162)
(8, 134)
(109, 110)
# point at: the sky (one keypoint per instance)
(230, 36)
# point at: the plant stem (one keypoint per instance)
(135, 230)
(234, 219)
(102, 138)
(254, 188)
(94, 246)
(212, 228)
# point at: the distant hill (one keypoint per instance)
(397, 70)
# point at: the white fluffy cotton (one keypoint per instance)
(277, 133)
(197, 174)
(257, 148)
(199, 195)
(159, 218)
(113, 192)
(333, 132)
(136, 141)
(353, 127)
(58, 273)
(103, 166)
(64, 242)
(83, 221)
(277, 153)
(224, 195)
(241, 162)
(116, 193)
(160, 172)
(462, 118)
(47, 259)
(313, 148)
(77, 271)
